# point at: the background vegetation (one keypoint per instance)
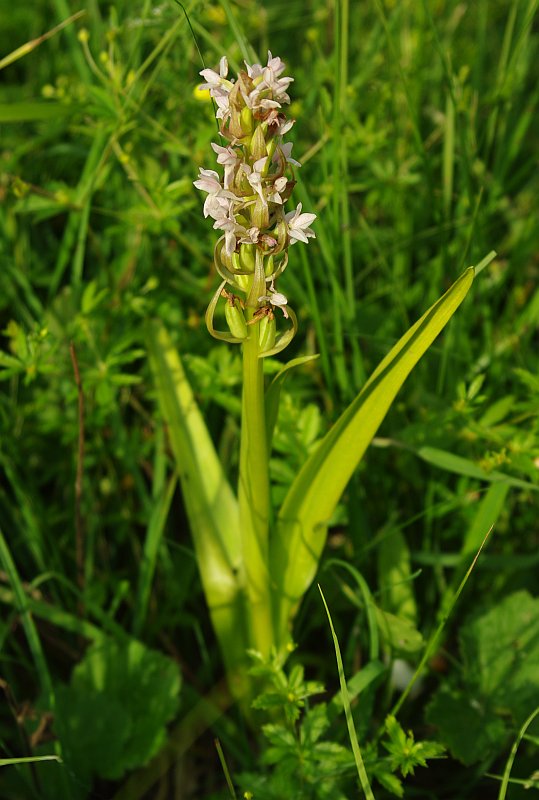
(417, 131)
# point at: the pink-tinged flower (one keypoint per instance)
(298, 225)
(223, 105)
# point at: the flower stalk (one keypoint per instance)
(247, 204)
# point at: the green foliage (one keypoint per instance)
(405, 754)
(498, 684)
(419, 155)
(111, 717)
(304, 762)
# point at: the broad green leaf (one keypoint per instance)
(211, 506)
(112, 715)
(499, 680)
(470, 730)
(313, 497)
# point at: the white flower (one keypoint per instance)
(223, 105)
(208, 181)
(217, 80)
(235, 232)
(279, 186)
(228, 157)
(254, 176)
(250, 236)
(254, 70)
(276, 299)
(298, 225)
(286, 150)
(230, 227)
(271, 79)
(254, 101)
(284, 127)
(218, 197)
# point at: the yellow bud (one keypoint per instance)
(267, 332)
(235, 319)
(83, 35)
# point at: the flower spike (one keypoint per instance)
(247, 203)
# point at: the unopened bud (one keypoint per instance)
(234, 317)
(267, 332)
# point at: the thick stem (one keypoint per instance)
(253, 489)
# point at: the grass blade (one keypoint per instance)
(361, 771)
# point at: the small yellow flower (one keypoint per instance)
(202, 95)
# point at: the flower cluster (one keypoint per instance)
(247, 201)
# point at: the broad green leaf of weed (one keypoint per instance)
(500, 684)
(471, 730)
(113, 713)
(501, 654)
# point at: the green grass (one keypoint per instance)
(416, 127)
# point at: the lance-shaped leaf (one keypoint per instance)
(312, 498)
(211, 505)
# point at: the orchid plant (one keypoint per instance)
(256, 562)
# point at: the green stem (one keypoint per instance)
(253, 489)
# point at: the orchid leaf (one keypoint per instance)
(314, 494)
(211, 505)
